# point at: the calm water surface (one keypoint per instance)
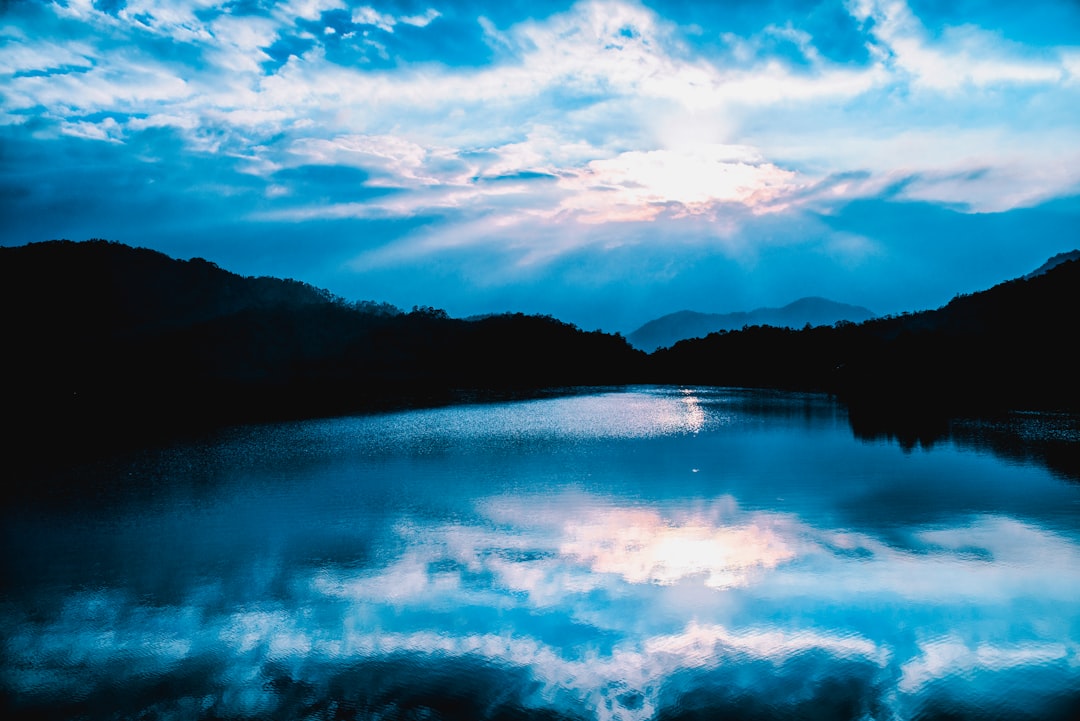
(644, 554)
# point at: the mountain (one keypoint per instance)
(1006, 348)
(108, 287)
(105, 343)
(667, 330)
(1053, 263)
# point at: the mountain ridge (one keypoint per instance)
(1007, 347)
(1052, 263)
(106, 343)
(665, 331)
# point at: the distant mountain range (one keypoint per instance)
(1009, 347)
(668, 330)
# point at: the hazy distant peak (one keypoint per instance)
(816, 302)
(669, 329)
(1053, 263)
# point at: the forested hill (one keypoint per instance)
(1012, 346)
(104, 339)
(114, 288)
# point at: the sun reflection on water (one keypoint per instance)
(643, 547)
(695, 413)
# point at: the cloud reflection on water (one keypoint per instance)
(536, 597)
(639, 546)
(595, 601)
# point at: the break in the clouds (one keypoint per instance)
(605, 161)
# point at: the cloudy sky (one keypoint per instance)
(604, 161)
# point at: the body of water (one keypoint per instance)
(647, 553)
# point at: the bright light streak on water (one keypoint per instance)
(634, 555)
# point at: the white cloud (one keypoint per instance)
(1070, 59)
(184, 122)
(239, 43)
(174, 19)
(963, 56)
(101, 89)
(21, 53)
(980, 169)
(367, 15)
(625, 49)
(307, 9)
(422, 20)
(397, 161)
(370, 16)
(108, 129)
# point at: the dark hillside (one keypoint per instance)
(1008, 347)
(110, 287)
(109, 344)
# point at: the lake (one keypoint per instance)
(641, 553)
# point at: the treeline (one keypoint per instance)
(1012, 346)
(104, 343)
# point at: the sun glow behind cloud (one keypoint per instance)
(538, 139)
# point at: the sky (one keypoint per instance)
(603, 161)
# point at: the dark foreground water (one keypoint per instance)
(652, 553)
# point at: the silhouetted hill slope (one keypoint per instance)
(1011, 346)
(103, 341)
(1053, 263)
(667, 330)
(138, 290)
